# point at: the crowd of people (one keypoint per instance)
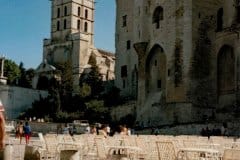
(99, 129)
(215, 131)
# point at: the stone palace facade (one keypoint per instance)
(179, 58)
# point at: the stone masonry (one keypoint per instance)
(179, 58)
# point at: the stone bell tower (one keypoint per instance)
(72, 33)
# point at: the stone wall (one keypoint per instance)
(195, 78)
(123, 110)
(17, 99)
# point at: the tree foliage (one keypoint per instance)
(94, 80)
(11, 71)
(66, 77)
(26, 76)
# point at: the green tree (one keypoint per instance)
(94, 80)
(97, 112)
(85, 90)
(26, 77)
(112, 97)
(66, 77)
(11, 71)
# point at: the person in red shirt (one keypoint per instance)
(2, 126)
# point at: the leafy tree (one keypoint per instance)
(94, 80)
(26, 77)
(112, 97)
(43, 83)
(85, 90)
(11, 71)
(97, 112)
(66, 77)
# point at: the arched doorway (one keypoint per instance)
(156, 70)
(226, 71)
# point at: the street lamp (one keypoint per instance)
(3, 80)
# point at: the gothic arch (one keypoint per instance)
(226, 70)
(156, 69)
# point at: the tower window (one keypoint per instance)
(65, 24)
(86, 13)
(124, 83)
(79, 11)
(78, 24)
(238, 14)
(157, 16)
(58, 25)
(124, 71)
(58, 12)
(85, 27)
(220, 19)
(65, 10)
(155, 62)
(159, 84)
(128, 44)
(124, 21)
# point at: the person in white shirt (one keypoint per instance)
(2, 127)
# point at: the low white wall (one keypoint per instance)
(18, 99)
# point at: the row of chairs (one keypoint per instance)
(144, 147)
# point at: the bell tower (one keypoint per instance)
(72, 30)
(72, 16)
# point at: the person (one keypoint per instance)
(157, 131)
(123, 130)
(27, 132)
(93, 130)
(88, 130)
(71, 130)
(66, 129)
(20, 132)
(59, 128)
(103, 131)
(223, 130)
(16, 130)
(2, 127)
(108, 130)
(129, 131)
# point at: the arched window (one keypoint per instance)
(78, 24)
(86, 13)
(58, 12)
(58, 25)
(220, 19)
(157, 16)
(79, 11)
(85, 27)
(65, 10)
(65, 24)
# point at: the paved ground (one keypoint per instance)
(17, 150)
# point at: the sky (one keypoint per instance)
(25, 23)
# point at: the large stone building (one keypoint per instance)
(179, 58)
(72, 35)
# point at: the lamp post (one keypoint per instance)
(3, 79)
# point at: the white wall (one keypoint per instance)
(17, 99)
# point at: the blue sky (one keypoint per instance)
(25, 23)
